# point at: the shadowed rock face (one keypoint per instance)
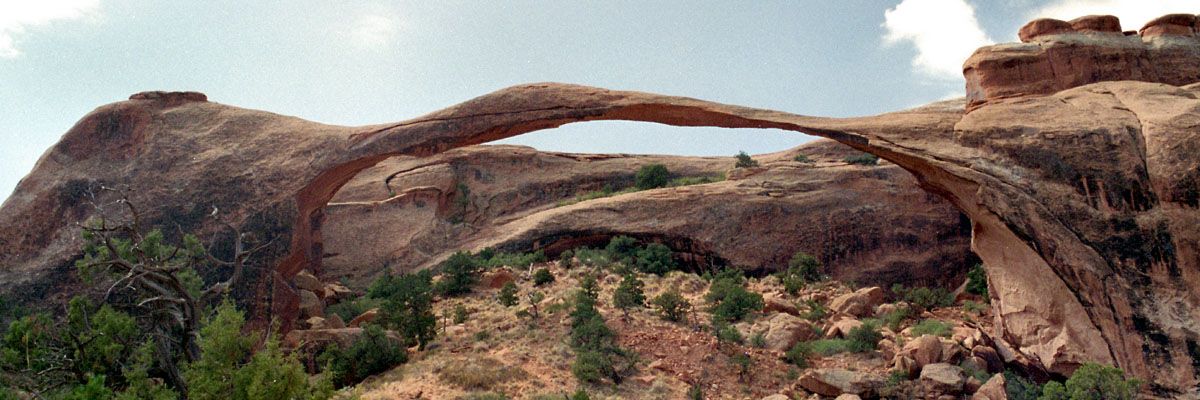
(871, 225)
(1083, 203)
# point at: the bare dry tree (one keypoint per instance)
(151, 271)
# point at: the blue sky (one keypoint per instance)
(367, 62)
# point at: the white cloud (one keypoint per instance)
(944, 32)
(1133, 13)
(18, 15)
(373, 31)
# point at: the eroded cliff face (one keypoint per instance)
(867, 224)
(1083, 202)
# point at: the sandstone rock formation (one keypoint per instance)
(1055, 55)
(1083, 202)
(872, 225)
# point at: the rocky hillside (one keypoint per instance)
(868, 224)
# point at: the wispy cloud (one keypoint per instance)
(373, 31)
(1133, 13)
(944, 33)
(18, 16)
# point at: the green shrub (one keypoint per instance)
(542, 277)
(973, 307)
(828, 347)
(1093, 382)
(696, 392)
(508, 294)
(459, 272)
(622, 248)
(922, 297)
(461, 314)
(863, 159)
(656, 259)
(805, 266)
(977, 282)
(744, 363)
(799, 354)
(349, 309)
(863, 339)
(580, 395)
(728, 333)
(592, 366)
(672, 306)
(598, 258)
(895, 318)
(651, 176)
(931, 327)
(758, 340)
(816, 311)
(897, 377)
(744, 161)
(1020, 388)
(737, 303)
(566, 258)
(518, 260)
(370, 354)
(629, 294)
(803, 158)
(409, 308)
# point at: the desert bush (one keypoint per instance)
(651, 176)
(348, 309)
(931, 327)
(598, 258)
(862, 159)
(566, 258)
(695, 180)
(408, 307)
(592, 366)
(798, 355)
(629, 294)
(897, 317)
(922, 297)
(1019, 388)
(816, 311)
(828, 347)
(479, 373)
(1093, 382)
(518, 260)
(743, 362)
(805, 266)
(973, 307)
(622, 248)
(580, 395)
(744, 160)
(758, 340)
(459, 272)
(728, 333)
(542, 277)
(461, 314)
(508, 294)
(803, 158)
(672, 306)
(373, 352)
(863, 338)
(736, 303)
(656, 259)
(977, 282)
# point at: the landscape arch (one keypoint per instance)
(1052, 290)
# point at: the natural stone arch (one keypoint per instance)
(1062, 296)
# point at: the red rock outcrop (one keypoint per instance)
(872, 225)
(1083, 203)
(1056, 55)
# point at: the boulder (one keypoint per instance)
(1096, 23)
(860, 303)
(316, 339)
(847, 396)
(306, 281)
(834, 382)
(316, 323)
(311, 305)
(994, 389)
(1170, 24)
(990, 357)
(336, 292)
(944, 378)
(924, 350)
(785, 330)
(773, 304)
(365, 317)
(1042, 27)
(776, 397)
(496, 279)
(334, 321)
(842, 327)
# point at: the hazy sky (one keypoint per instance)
(367, 62)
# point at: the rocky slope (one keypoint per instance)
(868, 224)
(1083, 202)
